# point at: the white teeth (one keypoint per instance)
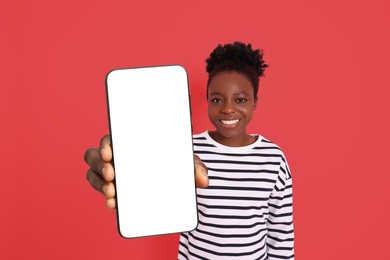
(230, 122)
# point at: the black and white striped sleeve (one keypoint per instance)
(280, 235)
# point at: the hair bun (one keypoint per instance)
(237, 53)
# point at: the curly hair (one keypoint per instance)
(239, 57)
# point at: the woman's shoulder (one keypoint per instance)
(268, 145)
(199, 136)
(268, 142)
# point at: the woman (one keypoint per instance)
(244, 184)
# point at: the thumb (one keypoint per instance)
(201, 176)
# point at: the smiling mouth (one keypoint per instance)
(229, 122)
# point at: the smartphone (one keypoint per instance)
(151, 135)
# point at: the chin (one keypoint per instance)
(233, 133)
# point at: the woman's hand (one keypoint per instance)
(201, 177)
(101, 172)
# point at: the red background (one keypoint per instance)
(324, 100)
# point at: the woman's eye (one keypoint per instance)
(216, 100)
(241, 100)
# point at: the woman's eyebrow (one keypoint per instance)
(221, 94)
(216, 93)
(241, 93)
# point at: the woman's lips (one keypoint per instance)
(229, 123)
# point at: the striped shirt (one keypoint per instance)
(246, 212)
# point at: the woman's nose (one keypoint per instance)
(228, 108)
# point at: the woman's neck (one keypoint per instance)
(236, 141)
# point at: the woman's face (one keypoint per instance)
(231, 104)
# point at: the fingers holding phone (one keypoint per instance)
(201, 177)
(101, 174)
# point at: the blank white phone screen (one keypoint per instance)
(151, 134)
